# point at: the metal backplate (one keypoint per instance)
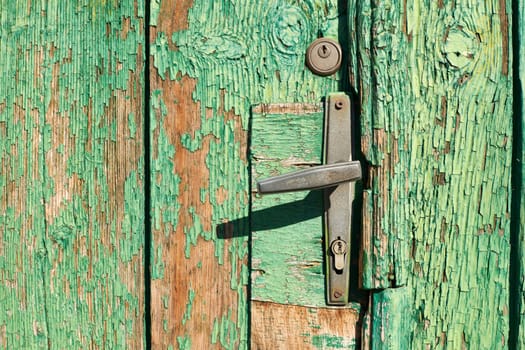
(338, 200)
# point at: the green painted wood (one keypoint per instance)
(435, 94)
(437, 130)
(386, 107)
(519, 168)
(71, 172)
(212, 61)
(392, 316)
(287, 229)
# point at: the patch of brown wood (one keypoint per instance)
(195, 295)
(277, 326)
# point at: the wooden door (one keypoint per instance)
(232, 101)
(132, 133)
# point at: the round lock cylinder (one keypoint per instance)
(324, 56)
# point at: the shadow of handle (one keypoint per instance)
(274, 217)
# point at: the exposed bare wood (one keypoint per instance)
(277, 326)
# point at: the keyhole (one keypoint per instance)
(323, 51)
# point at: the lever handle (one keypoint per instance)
(315, 178)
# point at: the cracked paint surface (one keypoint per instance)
(437, 130)
(71, 172)
(436, 98)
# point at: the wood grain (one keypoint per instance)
(437, 132)
(198, 277)
(71, 173)
(519, 175)
(277, 326)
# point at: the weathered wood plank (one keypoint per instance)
(287, 229)
(437, 131)
(385, 110)
(519, 171)
(199, 275)
(71, 171)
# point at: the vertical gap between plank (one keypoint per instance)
(515, 273)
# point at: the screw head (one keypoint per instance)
(339, 104)
(337, 294)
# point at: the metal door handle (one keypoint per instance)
(337, 175)
(315, 178)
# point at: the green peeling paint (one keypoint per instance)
(154, 12)
(225, 332)
(132, 126)
(392, 319)
(189, 304)
(437, 116)
(184, 343)
(287, 252)
(436, 108)
(71, 197)
(165, 187)
(328, 341)
(519, 164)
(157, 266)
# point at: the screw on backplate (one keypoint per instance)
(323, 51)
(337, 294)
(338, 104)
